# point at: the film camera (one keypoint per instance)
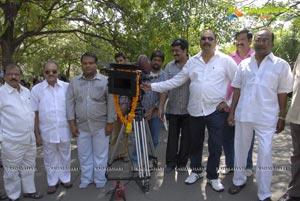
(122, 78)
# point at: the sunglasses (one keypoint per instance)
(50, 71)
(208, 38)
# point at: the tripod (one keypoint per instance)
(144, 149)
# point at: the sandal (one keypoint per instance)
(35, 195)
(235, 189)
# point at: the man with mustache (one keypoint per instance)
(243, 41)
(17, 130)
(178, 117)
(51, 126)
(261, 84)
(210, 72)
(151, 99)
(91, 113)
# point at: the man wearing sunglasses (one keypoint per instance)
(210, 72)
(51, 126)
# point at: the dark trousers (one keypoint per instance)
(178, 132)
(215, 123)
(294, 186)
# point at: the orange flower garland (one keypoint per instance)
(131, 114)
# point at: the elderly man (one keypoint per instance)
(91, 112)
(17, 130)
(49, 104)
(259, 103)
(210, 71)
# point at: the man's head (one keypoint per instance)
(50, 72)
(180, 48)
(208, 41)
(263, 42)
(120, 58)
(243, 40)
(89, 65)
(13, 75)
(157, 59)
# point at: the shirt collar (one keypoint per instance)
(10, 89)
(45, 83)
(96, 77)
(249, 53)
(270, 56)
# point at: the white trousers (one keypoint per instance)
(57, 157)
(264, 166)
(93, 156)
(19, 167)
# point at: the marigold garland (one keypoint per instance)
(131, 114)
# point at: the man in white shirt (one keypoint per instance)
(52, 128)
(210, 71)
(261, 84)
(17, 130)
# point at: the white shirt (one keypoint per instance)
(17, 115)
(209, 82)
(258, 102)
(294, 111)
(50, 102)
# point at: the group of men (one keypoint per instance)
(48, 115)
(260, 85)
(208, 90)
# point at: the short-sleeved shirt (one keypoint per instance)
(259, 89)
(50, 103)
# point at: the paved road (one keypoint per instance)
(169, 186)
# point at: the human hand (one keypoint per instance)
(146, 86)
(108, 129)
(280, 125)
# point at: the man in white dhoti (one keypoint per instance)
(52, 128)
(17, 130)
(261, 84)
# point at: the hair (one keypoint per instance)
(246, 31)
(272, 34)
(157, 53)
(10, 66)
(210, 30)
(50, 62)
(182, 43)
(89, 54)
(120, 54)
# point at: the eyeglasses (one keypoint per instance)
(50, 71)
(208, 38)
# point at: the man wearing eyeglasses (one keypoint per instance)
(210, 71)
(51, 126)
(261, 84)
(18, 140)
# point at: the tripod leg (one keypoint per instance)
(117, 145)
(145, 148)
(151, 145)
